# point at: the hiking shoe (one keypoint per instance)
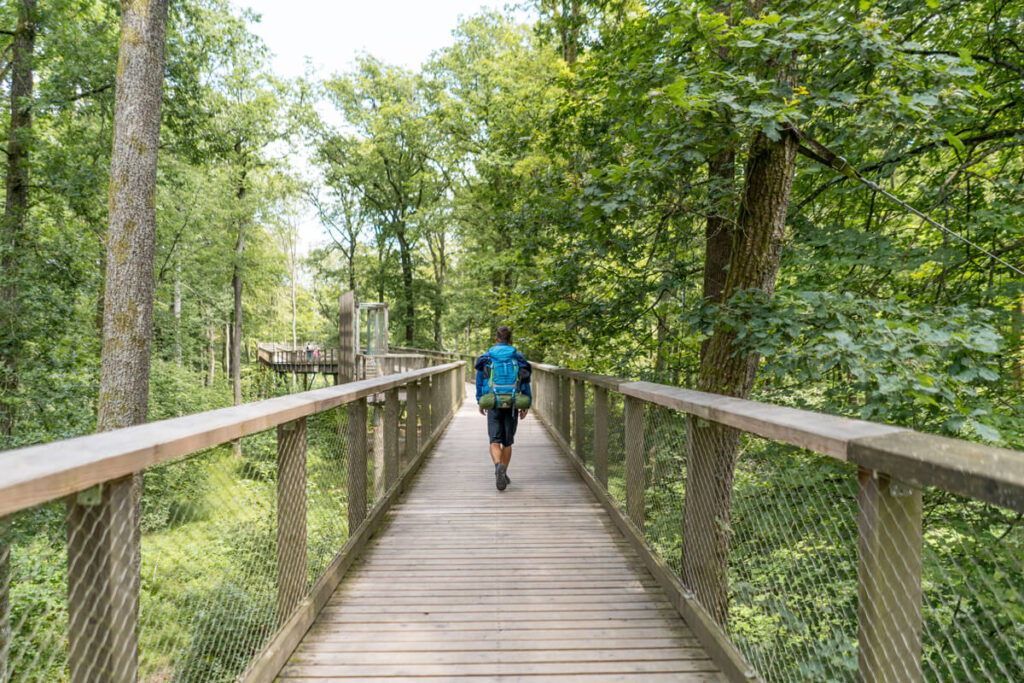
(500, 478)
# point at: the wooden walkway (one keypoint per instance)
(468, 583)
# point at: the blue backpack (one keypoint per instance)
(503, 386)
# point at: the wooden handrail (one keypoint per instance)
(990, 474)
(37, 474)
(819, 432)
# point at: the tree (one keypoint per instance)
(16, 206)
(110, 532)
(389, 162)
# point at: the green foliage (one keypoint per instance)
(889, 361)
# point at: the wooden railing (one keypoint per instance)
(445, 355)
(892, 466)
(90, 472)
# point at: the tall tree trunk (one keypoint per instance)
(712, 448)
(236, 288)
(104, 539)
(410, 305)
(572, 45)
(15, 211)
(212, 371)
(295, 314)
(177, 315)
(718, 229)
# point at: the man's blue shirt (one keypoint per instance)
(485, 360)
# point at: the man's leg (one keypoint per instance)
(506, 454)
(496, 453)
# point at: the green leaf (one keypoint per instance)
(953, 140)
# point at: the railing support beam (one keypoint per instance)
(579, 418)
(426, 413)
(291, 516)
(564, 396)
(601, 435)
(411, 421)
(888, 579)
(635, 481)
(391, 463)
(356, 464)
(104, 558)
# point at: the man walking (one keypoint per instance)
(503, 394)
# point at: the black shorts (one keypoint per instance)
(501, 425)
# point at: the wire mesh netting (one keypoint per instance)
(973, 586)
(809, 563)
(616, 450)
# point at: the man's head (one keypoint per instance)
(503, 335)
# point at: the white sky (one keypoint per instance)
(332, 33)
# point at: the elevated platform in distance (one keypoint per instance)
(286, 358)
(532, 583)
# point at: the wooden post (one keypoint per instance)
(356, 464)
(378, 450)
(104, 556)
(391, 463)
(411, 422)
(635, 484)
(291, 517)
(347, 342)
(564, 397)
(579, 417)
(889, 579)
(601, 435)
(426, 415)
(436, 414)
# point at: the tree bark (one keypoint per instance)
(236, 318)
(212, 360)
(103, 602)
(16, 209)
(405, 255)
(718, 229)
(712, 448)
(177, 315)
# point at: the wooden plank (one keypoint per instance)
(486, 645)
(993, 475)
(36, 474)
(501, 656)
(373, 636)
(532, 669)
(689, 677)
(819, 432)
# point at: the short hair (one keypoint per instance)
(504, 335)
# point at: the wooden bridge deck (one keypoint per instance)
(467, 582)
